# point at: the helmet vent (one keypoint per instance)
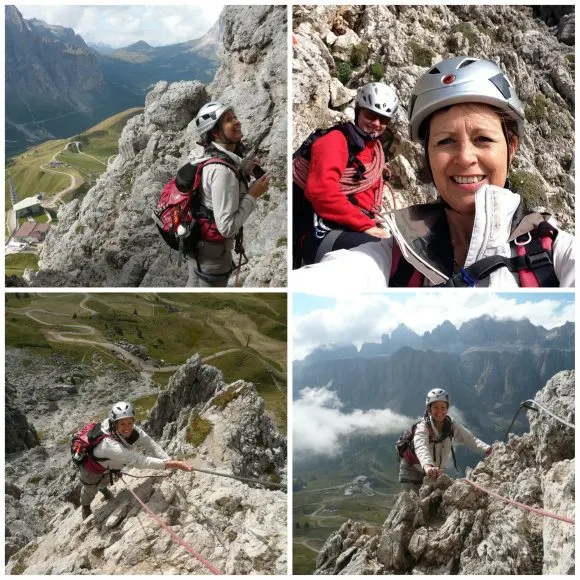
(502, 85)
(434, 71)
(466, 62)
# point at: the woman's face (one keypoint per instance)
(467, 149)
(438, 410)
(230, 128)
(372, 123)
(125, 426)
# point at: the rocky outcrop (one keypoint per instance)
(453, 528)
(339, 48)
(240, 527)
(20, 434)
(109, 239)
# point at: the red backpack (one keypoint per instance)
(176, 214)
(82, 444)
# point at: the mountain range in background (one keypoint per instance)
(488, 366)
(56, 85)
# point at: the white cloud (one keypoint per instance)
(366, 317)
(119, 26)
(320, 426)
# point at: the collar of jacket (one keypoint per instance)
(422, 232)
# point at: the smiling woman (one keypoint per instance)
(467, 115)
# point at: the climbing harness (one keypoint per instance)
(173, 535)
(531, 405)
(521, 505)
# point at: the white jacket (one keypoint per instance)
(437, 454)
(116, 454)
(368, 267)
(228, 197)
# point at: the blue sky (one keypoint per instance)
(121, 25)
(318, 321)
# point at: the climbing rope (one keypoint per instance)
(173, 535)
(521, 505)
(531, 405)
(258, 481)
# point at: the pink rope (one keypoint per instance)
(522, 505)
(174, 536)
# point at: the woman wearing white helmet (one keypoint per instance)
(111, 448)
(226, 197)
(432, 444)
(342, 177)
(470, 121)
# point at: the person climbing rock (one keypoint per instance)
(341, 176)
(227, 199)
(427, 451)
(111, 447)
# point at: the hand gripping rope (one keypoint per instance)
(173, 535)
(521, 505)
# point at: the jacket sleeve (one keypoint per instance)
(151, 446)
(565, 259)
(463, 435)
(421, 442)
(113, 450)
(328, 161)
(223, 187)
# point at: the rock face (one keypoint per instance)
(20, 434)
(239, 527)
(109, 238)
(354, 45)
(454, 528)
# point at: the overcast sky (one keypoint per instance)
(319, 321)
(119, 26)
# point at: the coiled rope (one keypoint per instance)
(173, 535)
(521, 505)
(531, 405)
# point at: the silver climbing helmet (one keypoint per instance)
(462, 79)
(122, 410)
(437, 395)
(378, 97)
(209, 115)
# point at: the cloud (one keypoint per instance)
(366, 317)
(123, 25)
(320, 426)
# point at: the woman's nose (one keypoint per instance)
(465, 152)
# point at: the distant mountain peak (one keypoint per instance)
(140, 45)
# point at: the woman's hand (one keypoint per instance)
(489, 451)
(377, 232)
(260, 186)
(175, 464)
(433, 472)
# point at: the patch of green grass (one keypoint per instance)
(281, 242)
(421, 55)
(143, 405)
(539, 109)
(303, 559)
(468, 30)
(342, 71)
(530, 187)
(377, 71)
(358, 54)
(223, 399)
(15, 264)
(35, 479)
(198, 430)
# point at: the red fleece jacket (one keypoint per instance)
(328, 161)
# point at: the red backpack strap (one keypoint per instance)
(210, 161)
(403, 274)
(534, 261)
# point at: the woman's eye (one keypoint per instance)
(484, 139)
(445, 141)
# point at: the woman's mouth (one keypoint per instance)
(467, 179)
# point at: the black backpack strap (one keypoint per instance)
(469, 276)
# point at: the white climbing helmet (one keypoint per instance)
(437, 395)
(122, 410)
(209, 115)
(462, 79)
(378, 97)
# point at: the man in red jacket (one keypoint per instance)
(345, 177)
